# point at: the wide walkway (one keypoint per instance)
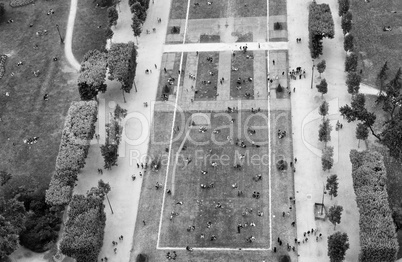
(310, 178)
(125, 193)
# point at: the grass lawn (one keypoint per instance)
(207, 91)
(171, 62)
(377, 46)
(218, 9)
(199, 206)
(87, 34)
(210, 38)
(187, 189)
(24, 113)
(241, 69)
(277, 7)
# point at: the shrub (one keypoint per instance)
(284, 258)
(279, 89)
(320, 25)
(343, 7)
(351, 62)
(277, 26)
(348, 44)
(79, 129)
(141, 258)
(281, 165)
(92, 75)
(84, 230)
(377, 230)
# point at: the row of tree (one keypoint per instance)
(377, 230)
(320, 25)
(121, 60)
(79, 129)
(82, 238)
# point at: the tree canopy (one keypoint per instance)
(92, 74)
(84, 229)
(338, 243)
(324, 132)
(351, 62)
(323, 109)
(332, 185)
(322, 86)
(320, 25)
(348, 42)
(327, 158)
(377, 230)
(346, 22)
(335, 214)
(353, 82)
(321, 66)
(122, 64)
(112, 16)
(343, 7)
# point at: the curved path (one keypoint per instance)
(69, 36)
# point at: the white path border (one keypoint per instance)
(173, 125)
(68, 41)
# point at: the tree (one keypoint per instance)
(338, 243)
(332, 185)
(8, 238)
(346, 22)
(334, 214)
(109, 33)
(343, 7)
(112, 16)
(357, 111)
(361, 132)
(131, 2)
(327, 160)
(136, 26)
(351, 62)
(353, 83)
(92, 75)
(348, 42)
(139, 11)
(322, 87)
(321, 67)
(324, 132)
(122, 64)
(84, 228)
(382, 77)
(323, 109)
(110, 155)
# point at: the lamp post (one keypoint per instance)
(61, 38)
(312, 74)
(323, 193)
(109, 204)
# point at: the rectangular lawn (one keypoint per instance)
(197, 206)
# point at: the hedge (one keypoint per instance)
(320, 25)
(79, 129)
(377, 229)
(82, 238)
